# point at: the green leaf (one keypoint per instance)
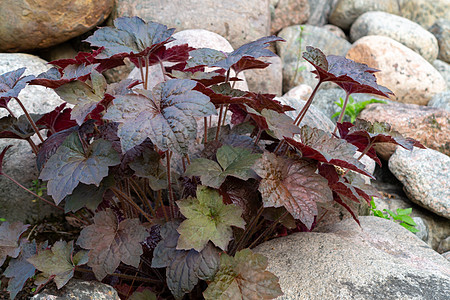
(71, 164)
(404, 212)
(292, 184)
(184, 268)
(89, 196)
(410, 228)
(9, 239)
(280, 124)
(243, 277)
(166, 115)
(207, 219)
(84, 95)
(56, 263)
(111, 242)
(406, 219)
(232, 161)
(148, 165)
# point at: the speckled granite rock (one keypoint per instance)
(425, 174)
(441, 29)
(424, 12)
(379, 260)
(80, 290)
(405, 31)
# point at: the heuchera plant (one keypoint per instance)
(171, 193)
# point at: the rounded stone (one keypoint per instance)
(29, 25)
(405, 72)
(441, 30)
(424, 12)
(347, 11)
(405, 31)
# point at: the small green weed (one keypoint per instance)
(402, 216)
(353, 109)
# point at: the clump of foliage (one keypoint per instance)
(353, 108)
(169, 202)
(401, 216)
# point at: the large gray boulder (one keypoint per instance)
(379, 260)
(19, 161)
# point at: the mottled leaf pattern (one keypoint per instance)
(232, 161)
(11, 83)
(207, 219)
(71, 164)
(9, 239)
(243, 277)
(166, 115)
(184, 268)
(292, 184)
(111, 242)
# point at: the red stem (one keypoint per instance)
(30, 119)
(341, 116)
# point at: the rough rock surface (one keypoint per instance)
(28, 25)
(325, 98)
(379, 260)
(441, 100)
(444, 245)
(428, 125)
(80, 290)
(239, 22)
(410, 34)
(302, 91)
(405, 72)
(268, 80)
(425, 174)
(424, 12)
(288, 12)
(19, 161)
(291, 53)
(319, 11)
(313, 118)
(444, 69)
(347, 11)
(441, 29)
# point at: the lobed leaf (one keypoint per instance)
(184, 268)
(19, 270)
(280, 124)
(132, 37)
(111, 242)
(166, 115)
(18, 128)
(148, 165)
(231, 161)
(322, 146)
(57, 120)
(58, 263)
(292, 184)
(243, 276)
(11, 83)
(351, 76)
(9, 239)
(72, 164)
(207, 219)
(84, 95)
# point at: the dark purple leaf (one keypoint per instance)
(11, 83)
(9, 239)
(13, 128)
(57, 120)
(131, 37)
(184, 268)
(51, 79)
(111, 242)
(178, 53)
(248, 63)
(72, 164)
(364, 133)
(2, 155)
(19, 270)
(166, 115)
(320, 145)
(351, 76)
(51, 144)
(82, 58)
